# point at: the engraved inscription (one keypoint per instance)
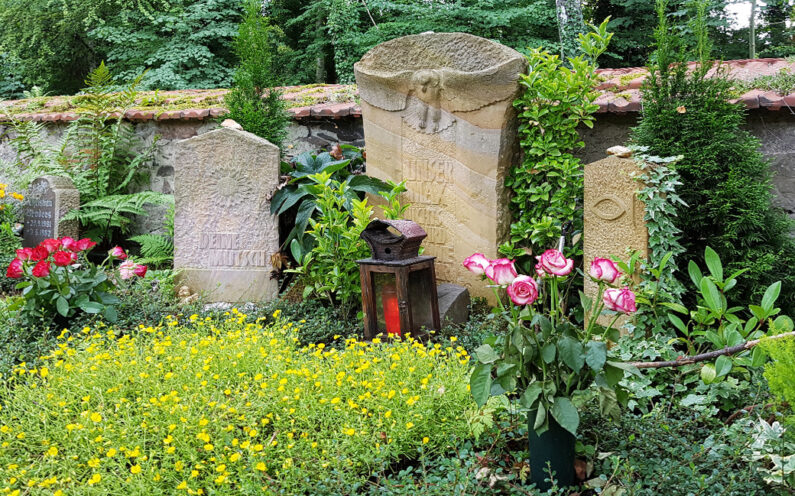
(223, 250)
(609, 207)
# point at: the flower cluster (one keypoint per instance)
(39, 260)
(224, 406)
(14, 195)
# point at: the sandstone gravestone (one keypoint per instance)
(613, 213)
(438, 113)
(49, 199)
(224, 234)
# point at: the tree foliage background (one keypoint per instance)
(54, 44)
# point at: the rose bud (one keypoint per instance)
(14, 270)
(619, 300)
(139, 270)
(554, 263)
(69, 243)
(605, 270)
(62, 258)
(117, 252)
(501, 271)
(523, 290)
(42, 269)
(85, 244)
(477, 263)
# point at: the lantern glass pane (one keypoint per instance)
(420, 299)
(386, 303)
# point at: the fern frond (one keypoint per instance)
(115, 211)
(155, 248)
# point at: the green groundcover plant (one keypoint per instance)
(225, 406)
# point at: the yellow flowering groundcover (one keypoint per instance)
(223, 407)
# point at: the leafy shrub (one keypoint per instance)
(547, 185)
(725, 179)
(228, 406)
(253, 102)
(781, 370)
(9, 238)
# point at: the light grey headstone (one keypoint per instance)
(453, 303)
(224, 234)
(48, 200)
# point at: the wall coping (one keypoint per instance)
(619, 93)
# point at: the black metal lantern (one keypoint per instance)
(398, 285)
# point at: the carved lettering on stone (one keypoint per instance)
(48, 200)
(224, 234)
(438, 113)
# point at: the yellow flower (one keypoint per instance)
(111, 453)
(409, 425)
(93, 463)
(53, 451)
(96, 418)
(208, 447)
(94, 479)
(44, 372)
(135, 469)
(261, 467)
(17, 196)
(182, 485)
(349, 431)
(425, 440)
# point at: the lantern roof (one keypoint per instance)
(387, 245)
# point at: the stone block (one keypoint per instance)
(224, 233)
(48, 200)
(453, 303)
(438, 114)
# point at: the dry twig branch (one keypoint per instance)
(687, 360)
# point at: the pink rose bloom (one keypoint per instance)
(39, 253)
(619, 300)
(50, 245)
(139, 270)
(14, 270)
(501, 271)
(540, 271)
(554, 263)
(523, 290)
(85, 244)
(477, 263)
(41, 269)
(62, 258)
(126, 269)
(68, 243)
(117, 252)
(605, 270)
(25, 253)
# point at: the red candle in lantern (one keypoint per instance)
(391, 309)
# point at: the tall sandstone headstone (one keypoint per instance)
(48, 200)
(613, 213)
(224, 233)
(438, 113)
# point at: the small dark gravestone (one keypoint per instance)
(49, 199)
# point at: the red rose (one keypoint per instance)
(50, 245)
(42, 269)
(14, 269)
(62, 258)
(24, 253)
(139, 270)
(85, 244)
(39, 253)
(69, 243)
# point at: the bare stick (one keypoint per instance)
(687, 360)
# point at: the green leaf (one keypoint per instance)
(758, 357)
(92, 307)
(723, 365)
(480, 383)
(713, 264)
(548, 352)
(708, 373)
(541, 418)
(111, 314)
(486, 354)
(695, 273)
(564, 411)
(712, 296)
(571, 352)
(677, 322)
(530, 395)
(595, 354)
(771, 295)
(62, 306)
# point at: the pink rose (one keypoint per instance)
(69, 243)
(117, 252)
(126, 269)
(476, 263)
(39, 253)
(50, 245)
(605, 270)
(85, 244)
(62, 258)
(139, 270)
(523, 290)
(619, 300)
(42, 269)
(540, 271)
(554, 263)
(501, 271)
(14, 270)
(25, 253)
